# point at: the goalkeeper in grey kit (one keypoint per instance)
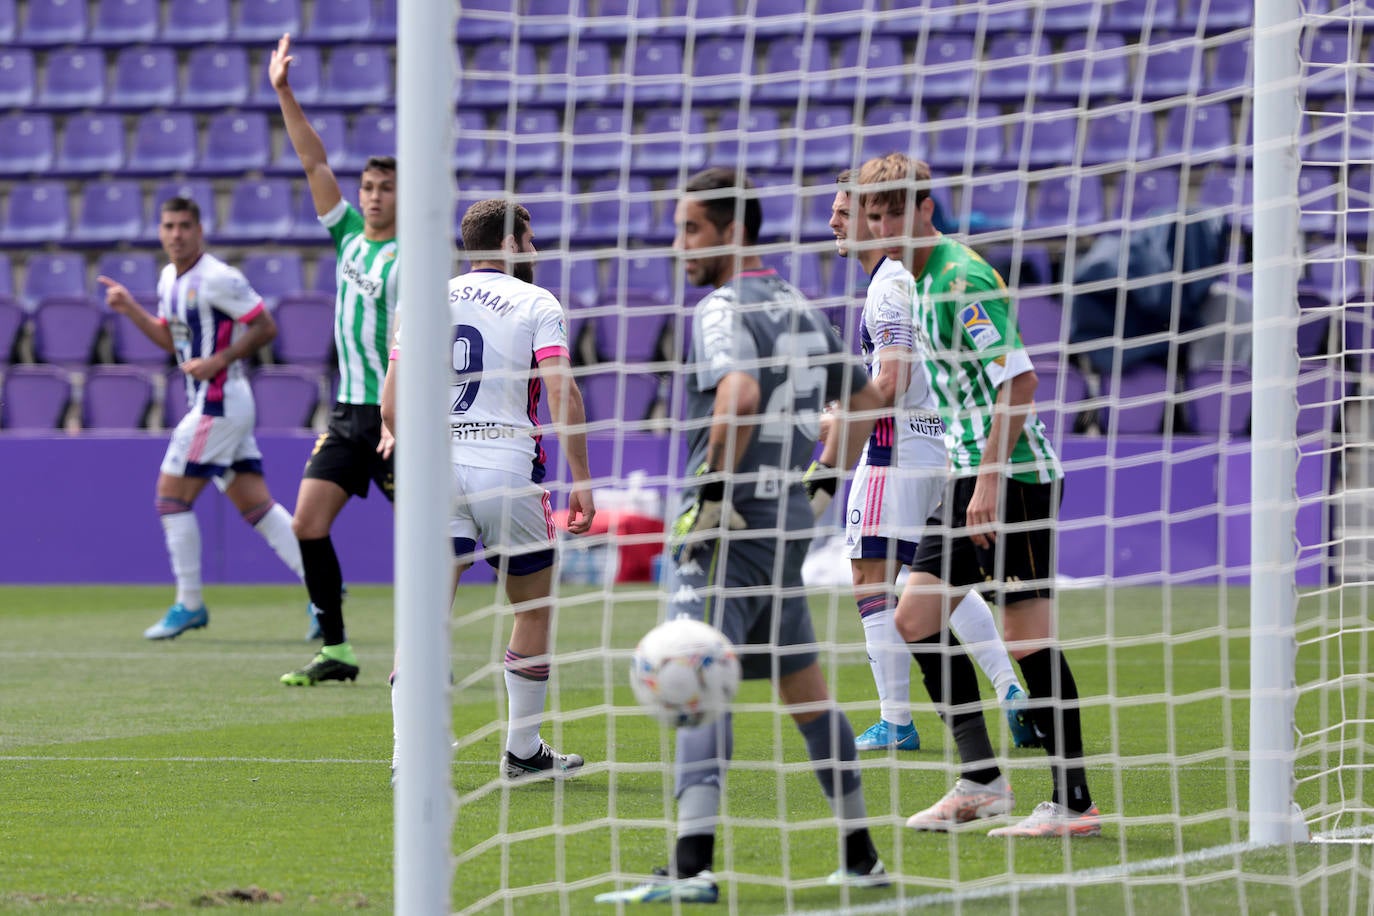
(764, 362)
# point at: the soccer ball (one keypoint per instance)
(684, 673)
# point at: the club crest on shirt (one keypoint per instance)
(979, 326)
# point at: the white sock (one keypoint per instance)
(395, 738)
(525, 701)
(182, 532)
(888, 657)
(275, 528)
(972, 622)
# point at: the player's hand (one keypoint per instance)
(117, 296)
(702, 520)
(981, 515)
(204, 368)
(278, 65)
(581, 510)
(387, 442)
(820, 482)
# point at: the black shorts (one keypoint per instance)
(347, 454)
(1020, 563)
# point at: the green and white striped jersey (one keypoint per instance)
(974, 345)
(365, 307)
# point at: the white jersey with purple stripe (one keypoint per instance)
(206, 309)
(914, 425)
(502, 328)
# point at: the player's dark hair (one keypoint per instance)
(907, 180)
(182, 205)
(487, 222)
(845, 177)
(722, 207)
(380, 164)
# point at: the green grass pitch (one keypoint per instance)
(173, 776)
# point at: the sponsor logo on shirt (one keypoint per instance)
(978, 325)
(368, 286)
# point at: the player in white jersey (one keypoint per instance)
(211, 319)
(898, 483)
(509, 338)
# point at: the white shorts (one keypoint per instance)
(890, 504)
(216, 447)
(511, 515)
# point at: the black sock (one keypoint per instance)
(324, 582)
(948, 664)
(860, 855)
(1059, 723)
(693, 855)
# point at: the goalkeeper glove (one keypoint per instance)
(703, 518)
(820, 481)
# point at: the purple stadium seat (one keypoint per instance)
(1200, 132)
(948, 69)
(37, 213)
(628, 330)
(53, 275)
(1223, 189)
(1321, 390)
(893, 128)
(125, 22)
(955, 150)
(174, 398)
(1040, 320)
(645, 275)
(1056, 206)
(54, 22)
(305, 329)
(1356, 344)
(485, 20)
(9, 21)
(493, 71)
(216, 77)
(305, 222)
(1059, 397)
(35, 397)
(163, 142)
(1014, 67)
(18, 78)
(286, 396)
(469, 192)
(1317, 200)
(384, 21)
(370, 134)
(824, 141)
(65, 329)
(332, 129)
(781, 212)
(881, 75)
(274, 275)
(1096, 69)
(617, 18)
(753, 143)
(701, 17)
(1342, 137)
(12, 318)
(29, 146)
(132, 346)
(116, 397)
(259, 210)
(1027, 265)
(800, 268)
(619, 396)
(1217, 400)
(1119, 136)
(144, 78)
(1231, 64)
(1045, 136)
(266, 21)
(73, 78)
(235, 142)
(552, 215)
(469, 142)
(196, 189)
(306, 77)
(341, 20)
(1332, 276)
(665, 143)
(325, 276)
(792, 70)
(1173, 66)
(91, 143)
(1217, 15)
(196, 21)
(109, 212)
(357, 75)
(6, 276)
(655, 73)
(583, 77)
(721, 67)
(1151, 193)
(1326, 55)
(536, 144)
(1137, 400)
(1138, 15)
(624, 208)
(136, 270)
(598, 140)
(992, 204)
(1359, 192)
(843, 17)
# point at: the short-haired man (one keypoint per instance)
(502, 326)
(211, 319)
(1005, 473)
(764, 362)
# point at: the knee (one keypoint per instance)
(308, 529)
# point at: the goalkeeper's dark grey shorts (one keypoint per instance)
(740, 588)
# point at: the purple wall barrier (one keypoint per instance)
(80, 509)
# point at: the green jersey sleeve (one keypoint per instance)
(343, 222)
(980, 309)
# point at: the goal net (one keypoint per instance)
(1101, 156)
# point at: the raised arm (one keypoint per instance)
(324, 187)
(569, 419)
(117, 297)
